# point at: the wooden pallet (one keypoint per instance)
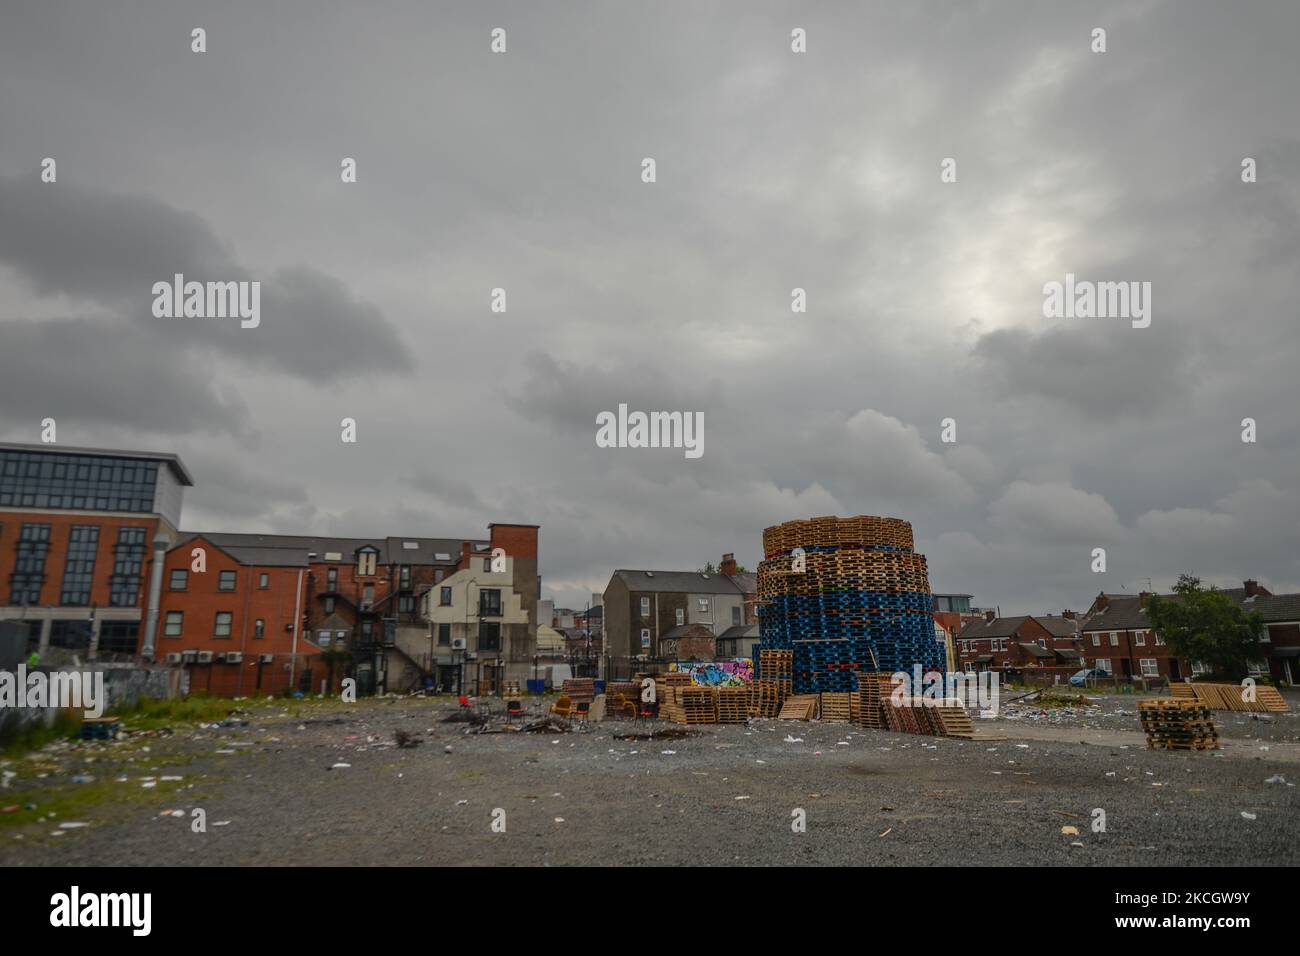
(837, 706)
(733, 705)
(799, 707)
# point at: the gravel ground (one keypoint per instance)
(723, 795)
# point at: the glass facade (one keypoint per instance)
(29, 564)
(79, 570)
(78, 482)
(118, 637)
(128, 559)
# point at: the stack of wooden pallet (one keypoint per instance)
(769, 692)
(579, 689)
(618, 694)
(733, 705)
(1178, 724)
(1230, 697)
(873, 689)
(699, 705)
(836, 707)
(954, 721)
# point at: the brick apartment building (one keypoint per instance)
(82, 536)
(1026, 642)
(1118, 637)
(650, 612)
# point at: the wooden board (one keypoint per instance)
(800, 707)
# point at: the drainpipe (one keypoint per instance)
(160, 542)
(297, 622)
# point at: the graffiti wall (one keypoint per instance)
(736, 673)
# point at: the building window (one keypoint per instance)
(1114, 639)
(332, 579)
(489, 637)
(118, 637)
(1149, 667)
(444, 634)
(71, 635)
(1160, 641)
(1140, 638)
(735, 616)
(264, 580)
(29, 564)
(128, 560)
(79, 570)
(406, 604)
(224, 621)
(438, 575)
(444, 597)
(405, 577)
(323, 638)
(329, 605)
(175, 625)
(703, 604)
(681, 616)
(1103, 664)
(367, 597)
(1042, 642)
(1096, 640)
(1257, 668)
(179, 580)
(366, 564)
(489, 602)
(226, 581)
(340, 637)
(259, 628)
(487, 565)
(79, 482)
(645, 638)
(645, 607)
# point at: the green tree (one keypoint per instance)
(1205, 625)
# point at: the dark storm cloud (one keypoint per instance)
(775, 171)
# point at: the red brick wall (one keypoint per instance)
(518, 540)
(11, 524)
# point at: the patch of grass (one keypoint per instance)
(84, 801)
(152, 714)
(36, 736)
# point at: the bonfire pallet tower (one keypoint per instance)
(855, 598)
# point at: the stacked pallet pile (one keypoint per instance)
(699, 704)
(845, 596)
(618, 693)
(772, 684)
(873, 690)
(799, 707)
(837, 707)
(580, 690)
(1178, 724)
(1229, 697)
(733, 705)
(668, 692)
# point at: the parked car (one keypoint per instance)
(1088, 673)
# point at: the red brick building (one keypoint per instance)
(1018, 643)
(81, 531)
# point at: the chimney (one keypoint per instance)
(990, 616)
(1102, 601)
(728, 565)
(1254, 590)
(1068, 615)
(466, 552)
(1143, 597)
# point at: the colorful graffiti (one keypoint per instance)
(735, 673)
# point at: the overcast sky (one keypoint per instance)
(775, 170)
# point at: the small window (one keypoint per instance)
(645, 638)
(444, 634)
(329, 605)
(1096, 640)
(259, 628)
(645, 607)
(224, 621)
(332, 578)
(323, 638)
(1160, 641)
(1149, 667)
(226, 581)
(366, 564)
(681, 616)
(180, 580)
(405, 576)
(264, 580)
(175, 624)
(487, 565)
(438, 575)
(444, 597)
(368, 595)
(340, 636)
(1114, 639)
(405, 604)
(704, 605)
(1140, 638)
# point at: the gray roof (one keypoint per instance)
(1057, 626)
(1125, 611)
(1272, 608)
(171, 461)
(1035, 650)
(998, 627)
(684, 630)
(747, 581)
(1069, 654)
(739, 631)
(391, 550)
(678, 582)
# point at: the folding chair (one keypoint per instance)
(514, 708)
(581, 712)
